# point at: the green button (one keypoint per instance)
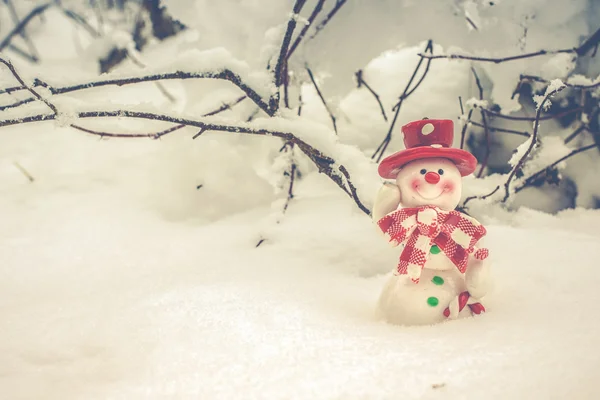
(433, 301)
(438, 280)
(435, 249)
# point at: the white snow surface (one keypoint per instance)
(120, 279)
(109, 290)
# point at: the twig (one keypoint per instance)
(224, 75)
(283, 51)
(312, 79)
(79, 20)
(135, 60)
(328, 18)
(17, 29)
(466, 124)
(541, 118)
(496, 60)
(361, 81)
(378, 154)
(23, 53)
(470, 21)
(534, 78)
(468, 199)
(485, 127)
(324, 163)
(534, 137)
(29, 89)
(352, 190)
(32, 49)
(581, 50)
(158, 135)
(311, 20)
(575, 133)
(24, 171)
(531, 179)
(494, 129)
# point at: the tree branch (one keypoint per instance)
(283, 51)
(311, 20)
(531, 179)
(534, 138)
(361, 81)
(485, 126)
(378, 154)
(328, 18)
(224, 75)
(324, 163)
(586, 46)
(18, 28)
(312, 79)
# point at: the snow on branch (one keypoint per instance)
(554, 88)
(212, 64)
(581, 50)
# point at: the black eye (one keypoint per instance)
(441, 171)
(423, 171)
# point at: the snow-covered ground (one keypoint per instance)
(108, 290)
(129, 269)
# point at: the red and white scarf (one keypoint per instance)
(419, 228)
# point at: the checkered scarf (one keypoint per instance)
(420, 228)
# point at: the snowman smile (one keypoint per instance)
(432, 197)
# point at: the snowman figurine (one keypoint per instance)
(442, 272)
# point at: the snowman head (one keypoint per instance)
(430, 182)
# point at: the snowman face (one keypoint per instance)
(430, 181)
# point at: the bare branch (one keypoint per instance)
(531, 179)
(466, 124)
(32, 49)
(311, 20)
(485, 127)
(586, 46)
(281, 60)
(534, 138)
(495, 60)
(541, 118)
(468, 199)
(78, 19)
(470, 21)
(225, 74)
(328, 18)
(29, 177)
(361, 81)
(312, 79)
(494, 129)
(352, 190)
(378, 154)
(17, 29)
(29, 89)
(324, 163)
(534, 78)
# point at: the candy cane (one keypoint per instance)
(459, 303)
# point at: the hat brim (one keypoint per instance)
(464, 161)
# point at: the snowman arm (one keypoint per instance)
(386, 201)
(477, 277)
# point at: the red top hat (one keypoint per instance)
(428, 138)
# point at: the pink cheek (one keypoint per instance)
(448, 186)
(415, 183)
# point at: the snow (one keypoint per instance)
(120, 300)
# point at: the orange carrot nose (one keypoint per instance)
(432, 177)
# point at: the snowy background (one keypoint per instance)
(129, 268)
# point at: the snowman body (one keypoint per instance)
(405, 302)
